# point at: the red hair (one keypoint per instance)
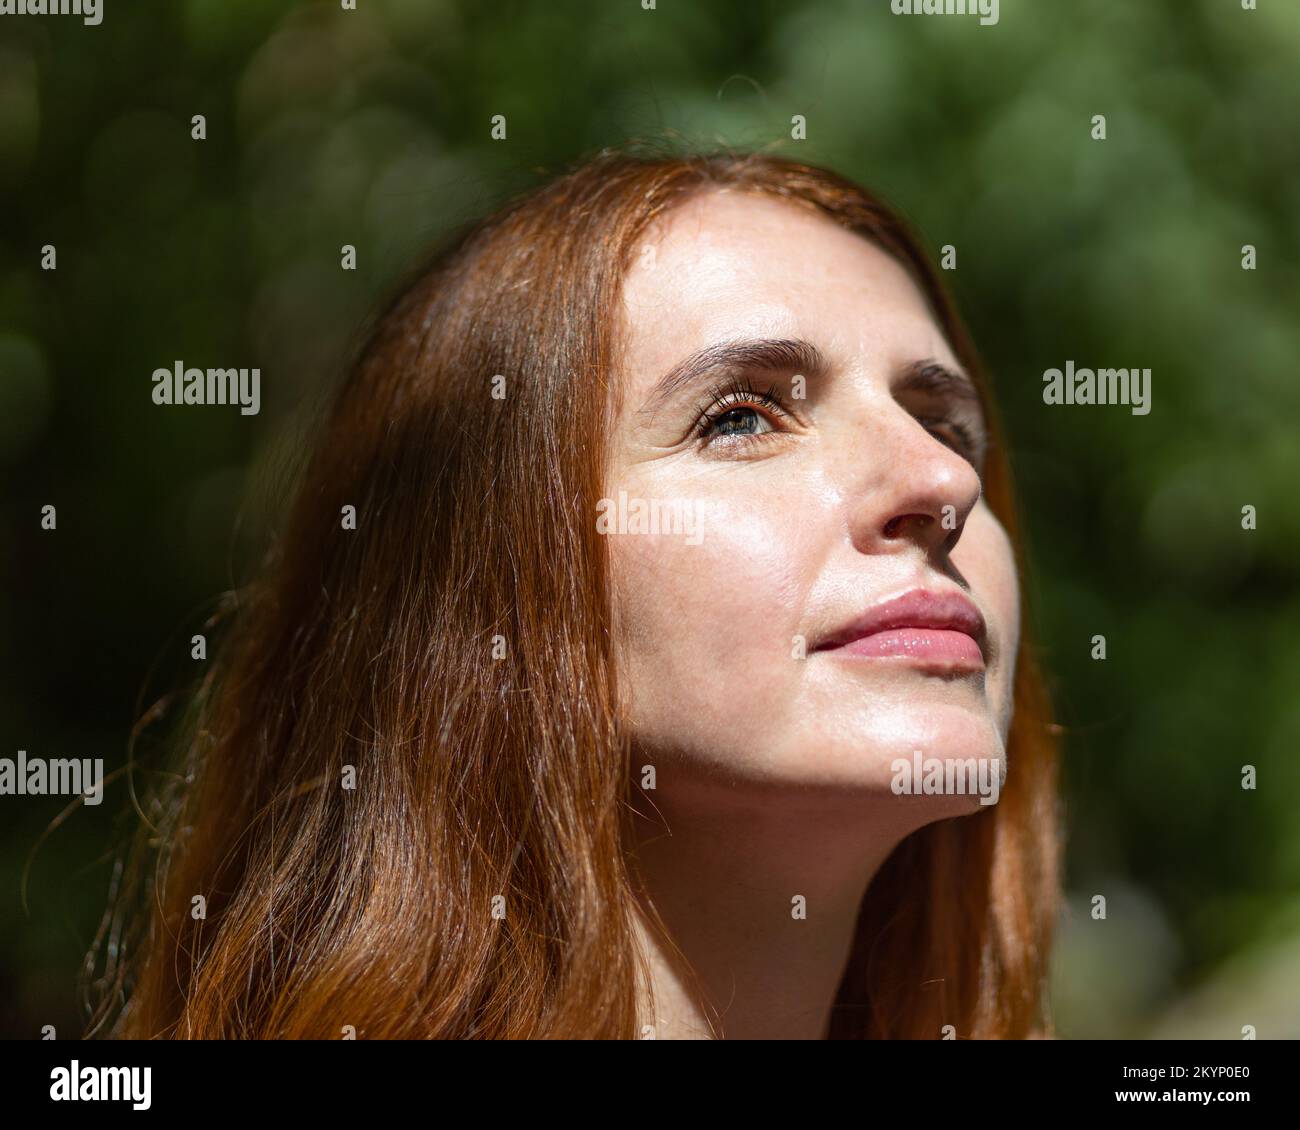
(370, 652)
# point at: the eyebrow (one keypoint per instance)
(793, 355)
(771, 355)
(936, 378)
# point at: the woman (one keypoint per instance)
(655, 568)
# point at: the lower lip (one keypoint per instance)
(927, 645)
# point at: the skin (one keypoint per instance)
(773, 763)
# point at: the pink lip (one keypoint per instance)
(931, 629)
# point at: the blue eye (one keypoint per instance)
(739, 410)
(739, 421)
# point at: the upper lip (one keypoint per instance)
(920, 608)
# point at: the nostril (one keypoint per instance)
(895, 527)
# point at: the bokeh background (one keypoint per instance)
(371, 127)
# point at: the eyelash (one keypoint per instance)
(965, 444)
(739, 393)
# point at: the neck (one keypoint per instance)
(740, 946)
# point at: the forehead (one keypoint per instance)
(729, 264)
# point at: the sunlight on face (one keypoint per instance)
(810, 585)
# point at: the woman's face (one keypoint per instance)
(807, 583)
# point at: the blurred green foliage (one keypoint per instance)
(327, 127)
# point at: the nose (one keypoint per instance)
(916, 493)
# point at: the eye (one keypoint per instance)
(738, 413)
(954, 434)
(743, 420)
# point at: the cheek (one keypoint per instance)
(985, 558)
(705, 630)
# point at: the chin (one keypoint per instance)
(859, 751)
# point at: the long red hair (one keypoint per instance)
(450, 658)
